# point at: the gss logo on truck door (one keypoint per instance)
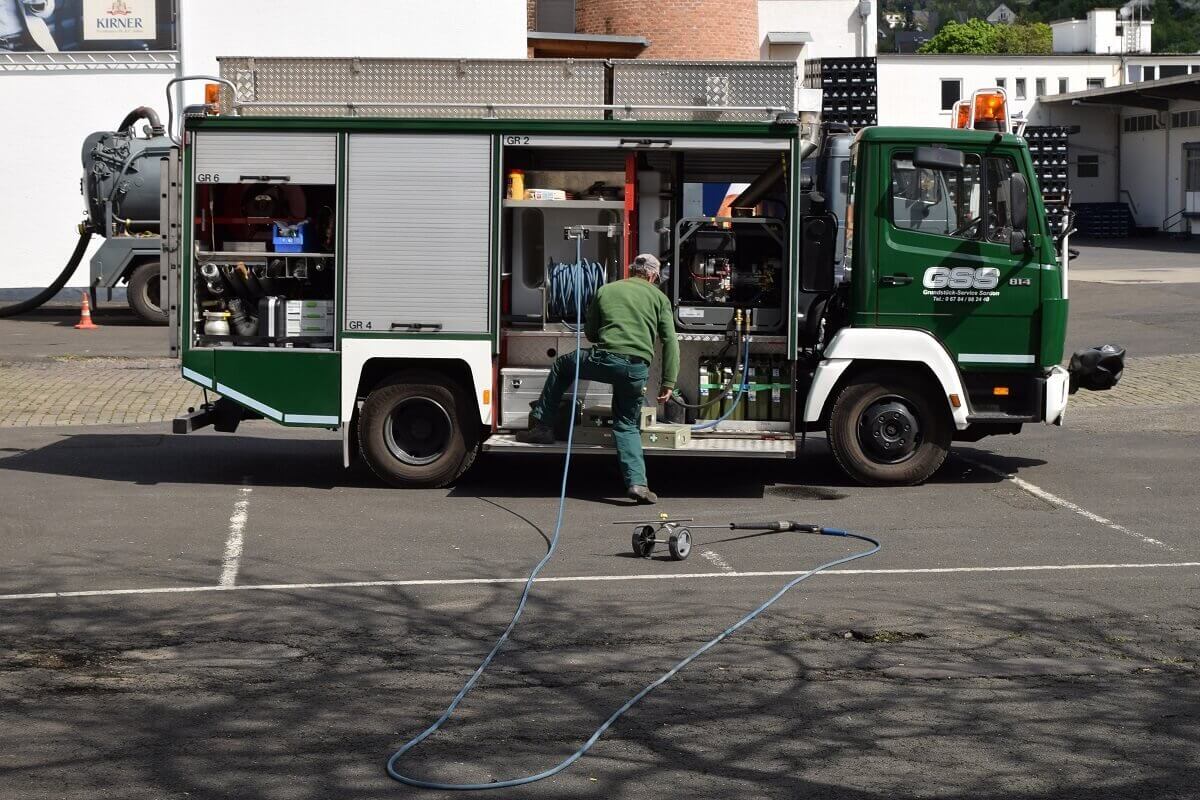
(961, 284)
(961, 278)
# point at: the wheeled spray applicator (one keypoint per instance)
(671, 532)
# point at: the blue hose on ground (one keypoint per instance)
(737, 398)
(587, 745)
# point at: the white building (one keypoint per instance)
(62, 97)
(826, 28)
(1150, 134)
(1104, 30)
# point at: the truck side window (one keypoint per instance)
(943, 202)
(1000, 170)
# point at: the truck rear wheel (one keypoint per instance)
(143, 293)
(889, 428)
(415, 431)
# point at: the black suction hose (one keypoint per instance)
(85, 236)
(147, 113)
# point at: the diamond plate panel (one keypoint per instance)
(393, 87)
(703, 83)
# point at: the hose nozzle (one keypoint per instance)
(778, 526)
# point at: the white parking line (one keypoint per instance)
(289, 587)
(232, 560)
(1039, 492)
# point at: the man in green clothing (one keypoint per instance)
(622, 322)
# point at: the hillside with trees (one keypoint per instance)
(1176, 23)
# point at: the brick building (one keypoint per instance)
(679, 29)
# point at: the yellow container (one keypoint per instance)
(516, 184)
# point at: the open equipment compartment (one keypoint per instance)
(715, 212)
(264, 238)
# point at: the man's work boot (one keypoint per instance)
(538, 434)
(641, 495)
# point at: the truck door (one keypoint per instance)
(944, 262)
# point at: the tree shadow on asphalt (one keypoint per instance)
(303, 695)
(151, 459)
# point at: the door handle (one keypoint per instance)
(899, 279)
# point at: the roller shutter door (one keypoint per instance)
(223, 157)
(418, 232)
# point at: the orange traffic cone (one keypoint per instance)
(85, 316)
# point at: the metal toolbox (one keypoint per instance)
(519, 388)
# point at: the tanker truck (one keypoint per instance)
(120, 187)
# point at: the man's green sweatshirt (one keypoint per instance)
(627, 315)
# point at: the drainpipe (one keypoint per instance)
(864, 13)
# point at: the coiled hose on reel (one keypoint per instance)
(571, 288)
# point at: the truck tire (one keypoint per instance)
(416, 431)
(143, 293)
(889, 428)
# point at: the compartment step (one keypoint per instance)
(744, 447)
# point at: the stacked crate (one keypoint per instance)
(1049, 150)
(849, 92)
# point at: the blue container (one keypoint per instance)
(288, 238)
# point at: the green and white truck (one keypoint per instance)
(382, 247)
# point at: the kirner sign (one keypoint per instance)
(119, 19)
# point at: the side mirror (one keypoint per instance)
(1017, 243)
(939, 158)
(818, 235)
(1018, 202)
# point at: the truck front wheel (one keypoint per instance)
(143, 291)
(889, 428)
(414, 431)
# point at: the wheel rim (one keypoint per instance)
(888, 430)
(418, 431)
(683, 543)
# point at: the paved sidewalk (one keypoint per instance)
(98, 391)
(1149, 381)
(92, 391)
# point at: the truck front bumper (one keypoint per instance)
(1058, 384)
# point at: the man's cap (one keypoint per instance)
(647, 260)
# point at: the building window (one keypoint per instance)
(1149, 73)
(1020, 88)
(1191, 167)
(1134, 73)
(1062, 86)
(1142, 122)
(1195, 67)
(1120, 30)
(1186, 119)
(1095, 83)
(951, 92)
(1172, 70)
(1087, 167)
(1039, 87)
(1002, 83)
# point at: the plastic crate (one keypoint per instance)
(288, 238)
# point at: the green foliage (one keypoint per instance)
(976, 36)
(972, 36)
(1176, 23)
(1024, 39)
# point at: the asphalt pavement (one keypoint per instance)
(237, 617)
